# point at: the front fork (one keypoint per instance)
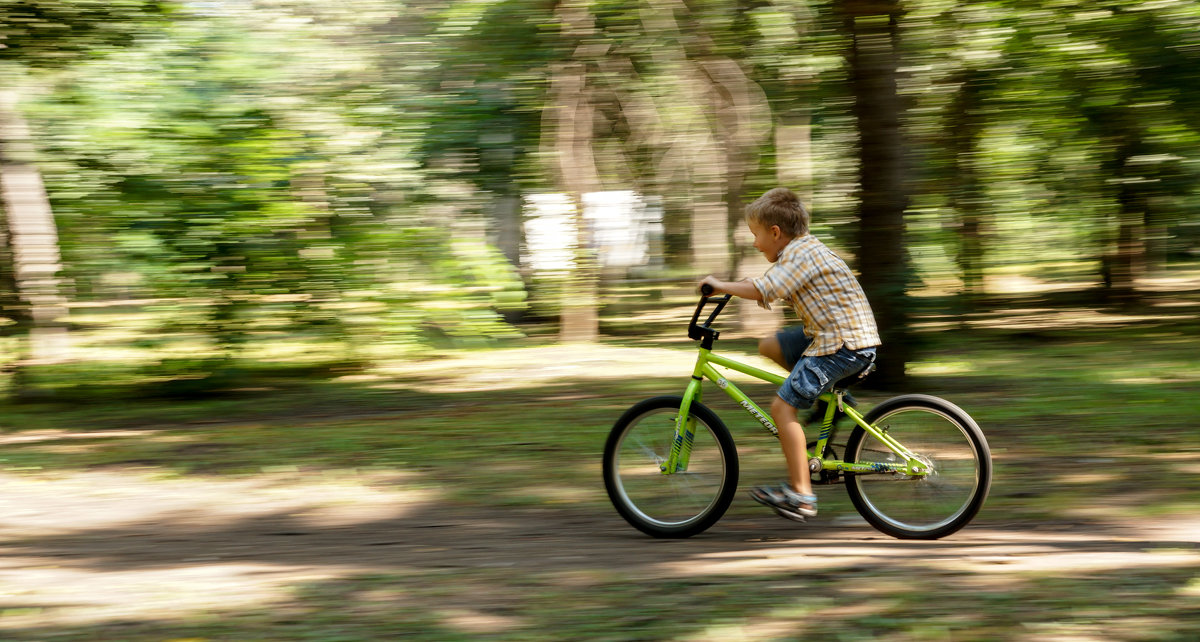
(685, 430)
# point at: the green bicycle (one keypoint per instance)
(915, 466)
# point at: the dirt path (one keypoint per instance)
(102, 546)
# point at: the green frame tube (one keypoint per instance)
(681, 445)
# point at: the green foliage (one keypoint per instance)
(48, 33)
(346, 173)
(211, 181)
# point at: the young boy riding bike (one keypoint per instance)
(838, 338)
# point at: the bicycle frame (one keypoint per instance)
(685, 426)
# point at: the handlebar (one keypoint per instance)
(704, 332)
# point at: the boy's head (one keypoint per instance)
(781, 207)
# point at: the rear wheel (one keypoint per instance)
(680, 504)
(924, 506)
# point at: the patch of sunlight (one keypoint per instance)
(748, 630)
(115, 507)
(1174, 282)
(1150, 381)
(1092, 629)
(1020, 284)
(1178, 527)
(1192, 588)
(38, 504)
(121, 354)
(940, 367)
(555, 494)
(1068, 562)
(1179, 455)
(36, 436)
(937, 287)
(478, 622)
(1089, 478)
(1176, 304)
(777, 560)
(525, 367)
(1058, 319)
(63, 595)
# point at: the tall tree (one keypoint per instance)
(31, 238)
(41, 34)
(872, 27)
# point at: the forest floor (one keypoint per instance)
(120, 556)
(460, 498)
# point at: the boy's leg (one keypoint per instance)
(786, 348)
(791, 439)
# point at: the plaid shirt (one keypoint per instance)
(825, 294)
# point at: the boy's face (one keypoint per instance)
(768, 240)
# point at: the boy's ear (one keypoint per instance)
(776, 232)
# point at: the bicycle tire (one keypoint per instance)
(930, 506)
(681, 504)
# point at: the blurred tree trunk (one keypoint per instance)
(499, 153)
(965, 128)
(1127, 256)
(569, 124)
(882, 258)
(1125, 259)
(508, 235)
(31, 244)
(506, 222)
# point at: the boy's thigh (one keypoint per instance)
(813, 376)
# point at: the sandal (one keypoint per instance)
(786, 502)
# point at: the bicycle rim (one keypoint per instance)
(668, 503)
(926, 506)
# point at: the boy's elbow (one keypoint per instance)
(752, 292)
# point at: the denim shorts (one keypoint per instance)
(812, 376)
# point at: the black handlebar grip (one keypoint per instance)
(706, 289)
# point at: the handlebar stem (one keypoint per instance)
(704, 332)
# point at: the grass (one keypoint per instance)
(1090, 413)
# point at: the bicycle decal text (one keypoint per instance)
(759, 416)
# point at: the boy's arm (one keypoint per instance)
(744, 289)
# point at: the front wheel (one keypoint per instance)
(680, 504)
(954, 451)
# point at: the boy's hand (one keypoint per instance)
(713, 281)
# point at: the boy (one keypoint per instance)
(838, 338)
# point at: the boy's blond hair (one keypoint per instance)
(780, 206)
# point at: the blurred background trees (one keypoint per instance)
(372, 178)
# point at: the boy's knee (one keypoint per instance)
(773, 350)
(769, 347)
(781, 408)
